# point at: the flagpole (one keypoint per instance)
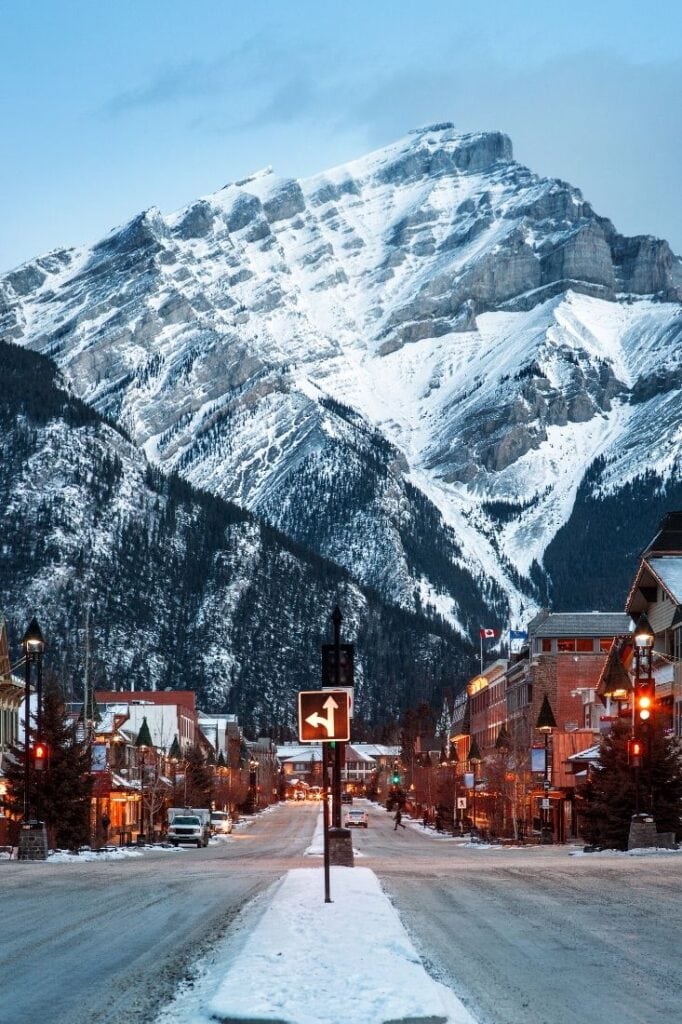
(481, 635)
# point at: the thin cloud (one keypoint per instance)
(246, 67)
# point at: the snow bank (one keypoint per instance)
(304, 961)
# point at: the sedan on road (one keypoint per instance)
(355, 818)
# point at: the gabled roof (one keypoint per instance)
(590, 754)
(588, 624)
(668, 569)
(312, 754)
(613, 677)
(668, 540)
(377, 749)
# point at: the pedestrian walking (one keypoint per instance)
(425, 819)
(398, 819)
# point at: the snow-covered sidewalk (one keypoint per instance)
(305, 961)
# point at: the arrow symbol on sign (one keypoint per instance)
(328, 721)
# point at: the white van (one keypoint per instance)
(221, 823)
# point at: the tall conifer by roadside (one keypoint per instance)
(610, 797)
(61, 791)
(200, 778)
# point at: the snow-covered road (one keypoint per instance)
(98, 943)
(538, 935)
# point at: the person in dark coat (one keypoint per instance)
(398, 819)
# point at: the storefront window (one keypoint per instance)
(585, 645)
(566, 644)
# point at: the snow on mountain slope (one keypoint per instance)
(432, 316)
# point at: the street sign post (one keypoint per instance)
(323, 716)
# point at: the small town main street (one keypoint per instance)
(523, 936)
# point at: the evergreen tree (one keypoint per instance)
(60, 793)
(199, 779)
(610, 795)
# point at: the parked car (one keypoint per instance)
(221, 823)
(188, 828)
(355, 818)
(346, 798)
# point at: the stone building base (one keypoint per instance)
(341, 847)
(32, 842)
(643, 835)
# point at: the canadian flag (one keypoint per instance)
(489, 634)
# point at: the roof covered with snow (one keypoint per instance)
(584, 624)
(669, 571)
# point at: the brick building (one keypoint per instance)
(563, 660)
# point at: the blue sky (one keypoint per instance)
(109, 108)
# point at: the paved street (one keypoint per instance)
(105, 942)
(522, 936)
(534, 936)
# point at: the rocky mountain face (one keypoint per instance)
(184, 589)
(407, 363)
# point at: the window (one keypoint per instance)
(605, 644)
(566, 644)
(546, 646)
(584, 644)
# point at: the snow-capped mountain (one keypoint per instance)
(406, 363)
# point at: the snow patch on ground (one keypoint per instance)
(298, 966)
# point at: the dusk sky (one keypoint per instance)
(111, 108)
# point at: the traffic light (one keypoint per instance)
(634, 753)
(346, 652)
(644, 700)
(39, 755)
(395, 777)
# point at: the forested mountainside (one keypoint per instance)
(186, 590)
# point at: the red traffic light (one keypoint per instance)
(40, 754)
(644, 701)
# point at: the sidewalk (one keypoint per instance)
(307, 962)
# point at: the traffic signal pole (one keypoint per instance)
(325, 820)
(336, 792)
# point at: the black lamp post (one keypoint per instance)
(546, 724)
(474, 760)
(143, 743)
(174, 756)
(253, 782)
(34, 646)
(453, 761)
(643, 704)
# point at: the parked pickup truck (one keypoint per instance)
(190, 825)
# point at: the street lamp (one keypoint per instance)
(143, 743)
(474, 760)
(546, 724)
(643, 704)
(174, 757)
(453, 761)
(34, 646)
(253, 785)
